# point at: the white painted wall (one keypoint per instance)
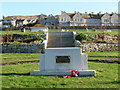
(115, 19)
(78, 61)
(106, 19)
(37, 29)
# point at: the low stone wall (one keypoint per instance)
(83, 27)
(36, 48)
(106, 37)
(22, 48)
(97, 47)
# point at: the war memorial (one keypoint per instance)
(62, 55)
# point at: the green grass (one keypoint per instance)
(103, 59)
(17, 76)
(28, 32)
(18, 61)
(19, 55)
(84, 31)
(25, 61)
(99, 31)
(9, 57)
(103, 54)
(37, 55)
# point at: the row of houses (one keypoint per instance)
(65, 19)
(49, 20)
(78, 19)
(16, 21)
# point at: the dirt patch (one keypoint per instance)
(105, 61)
(21, 59)
(18, 63)
(101, 61)
(106, 57)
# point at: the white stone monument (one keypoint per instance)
(62, 56)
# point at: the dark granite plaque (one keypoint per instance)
(62, 59)
(60, 39)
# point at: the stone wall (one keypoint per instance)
(22, 48)
(83, 27)
(97, 47)
(35, 48)
(105, 36)
(108, 38)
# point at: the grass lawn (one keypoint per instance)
(33, 57)
(84, 31)
(19, 55)
(103, 59)
(18, 32)
(103, 54)
(37, 55)
(17, 76)
(17, 61)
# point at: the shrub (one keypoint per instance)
(8, 43)
(101, 41)
(28, 40)
(38, 38)
(88, 38)
(80, 37)
(15, 42)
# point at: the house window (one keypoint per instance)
(95, 20)
(65, 19)
(62, 19)
(80, 19)
(106, 20)
(75, 19)
(116, 20)
(62, 59)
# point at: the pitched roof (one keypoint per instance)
(71, 14)
(28, 20)
(8, 17)
(24, 17)
(96, 16)
(85, 15)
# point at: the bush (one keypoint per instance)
(32, 39)
(15, 42)
(88, 38)
(40, 32)
(8, 43)
(38, 38)
(101, 41)
(81, 37)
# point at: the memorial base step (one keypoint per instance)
(58, 73)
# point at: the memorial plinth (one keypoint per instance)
(62, 56)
